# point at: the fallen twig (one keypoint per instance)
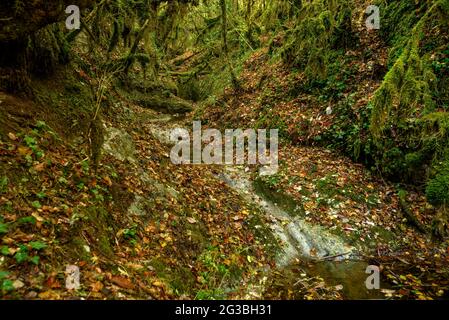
(334, 256)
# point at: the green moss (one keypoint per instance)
(97, 224)
(78, 249)
(167, 104)
(405, 89)
(410, 85)
(437, 190)
(322, 26)
(407, 128)
(265, 189)
(181, 279)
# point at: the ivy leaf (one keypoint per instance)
(36, 204)
(22, 254)
(41, 195)
(30, 141)
(4, 251)
(28, 219)
(7, 285)
(3, 228)
(35, 260)
(37, 245)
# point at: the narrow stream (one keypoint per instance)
(305, 248)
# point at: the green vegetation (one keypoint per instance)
(85, 173)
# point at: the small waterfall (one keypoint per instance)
(299, 238)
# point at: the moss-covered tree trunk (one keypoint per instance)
(225, 42)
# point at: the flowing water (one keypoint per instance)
(304, 247)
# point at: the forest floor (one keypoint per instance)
(343, 197)
(333, 191)
(141, 227)
(181, 232)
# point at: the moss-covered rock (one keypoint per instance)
(94, 229)
(323, 25)
(437, 190)
(23, 18)
(119, 144)
(168, 104)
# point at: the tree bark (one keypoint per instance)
(19, 19)
(19, 22)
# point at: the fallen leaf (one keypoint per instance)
(49, 295)
(24, 151)
(38, 217)
(52, 283)
(107, 180)
(39, 167)
(191, 220)
(96, 286)
(122, 282)
(18, 284)
(158, 284)
(12, 136)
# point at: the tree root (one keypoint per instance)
(409, 215)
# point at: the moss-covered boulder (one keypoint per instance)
(170, 104)
(119, 144)
(437, 190)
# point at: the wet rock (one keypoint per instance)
(162, 194)
(298, 237)
(161, 190)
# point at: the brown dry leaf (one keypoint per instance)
(191, 220)
(7, 240)
(52, 283)
(49, 295)
(24, 151)
(96, 286)
(122, 282)
(12, 136)
(107, 180)
(39, 167)
(21, 236)
(150, 228)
